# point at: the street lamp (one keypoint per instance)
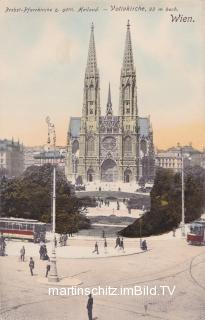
(183, 216)
(53, 275)
(140, 222)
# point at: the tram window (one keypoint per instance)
(2, 225)
(22, 226)
(15, 226)
(29, 227)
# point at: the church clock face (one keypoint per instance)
(109, 143)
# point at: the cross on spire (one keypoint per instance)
(91, 61)
(109, 103)
(128, 62)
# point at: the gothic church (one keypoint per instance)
(110, 148)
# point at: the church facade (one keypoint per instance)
(110, 147)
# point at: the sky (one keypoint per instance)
(43, 58)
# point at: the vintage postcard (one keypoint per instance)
(102, 159)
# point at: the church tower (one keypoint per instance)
(89, 131)
(128, 113)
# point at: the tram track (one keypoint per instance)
(191, 271)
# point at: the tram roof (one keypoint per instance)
(20, 220)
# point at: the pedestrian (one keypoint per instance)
(55, 242)
(2, 245)
(105, 245)
(22, 253)
(90, 307)
(96, 248)
(103, 233)
(48, 268)
(61, 240)
(31, 265)
(117, 243)
(41, 252)
(122, 244)
(174, 232)
(65, 239)
(144, 245)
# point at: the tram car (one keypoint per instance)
(31, 230)
(196, 236)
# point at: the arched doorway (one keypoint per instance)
(90, 174)
(109, 171)
(127, 175)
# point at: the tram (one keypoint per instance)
(196, 236)
(27, 229)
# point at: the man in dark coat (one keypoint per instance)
(31, 265)
(48, 268)
(90, 307)
(117, 244)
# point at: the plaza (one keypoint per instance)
(169, 261)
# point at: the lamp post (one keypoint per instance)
(182, 195)
(53, 275)
(140, 222)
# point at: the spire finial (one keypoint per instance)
(109, 103)
(128, 24)
(92, 26)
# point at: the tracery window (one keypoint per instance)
(128, 145)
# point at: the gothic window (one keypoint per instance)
(91, 110)
(91, 146)
(127, 93)
(91, 93)
(128, 145)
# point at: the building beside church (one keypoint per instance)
(11, 158)
(110, 147)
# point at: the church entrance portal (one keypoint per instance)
(109, 171)
(90, 174)
(127, 176)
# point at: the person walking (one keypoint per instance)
(42, 252)
(105, 245)
(122, 244)
(96, 248)
(90, 307)
(117, 244)
(31, 265)
(48, 268)
(22, 253)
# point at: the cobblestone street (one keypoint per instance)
(170, 262)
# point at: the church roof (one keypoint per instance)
(74, 128)
(144, 125)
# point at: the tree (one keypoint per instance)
(165, 210)
(30, 196)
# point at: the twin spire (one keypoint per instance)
(91, 67)
(128, 62)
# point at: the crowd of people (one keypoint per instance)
(119, 243)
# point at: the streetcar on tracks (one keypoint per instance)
(196, 236)
(27, 229)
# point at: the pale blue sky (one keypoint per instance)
(43, 59)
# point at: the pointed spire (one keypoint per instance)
(91, 61)
(128, 62)
(109, 103)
